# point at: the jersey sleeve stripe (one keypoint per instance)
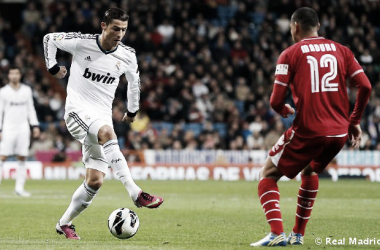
(127, 48)
(72, 35)
(46, 41)
(356, 72)
(281, 83)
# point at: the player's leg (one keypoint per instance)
(21, 176)
(2, 159)
(95, 171)
(284, 159)
(83, 196)
(105, 136)
(7, 144)
(269, 196)
(306, 196)
(324, 150)
(21, 150)
(80, 200)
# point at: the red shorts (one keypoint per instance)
(292, 153)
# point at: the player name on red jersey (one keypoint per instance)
(318, 47)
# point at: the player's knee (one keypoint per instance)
(264, 173)
(105, 134)
(308, 171)
(269, 170)
(95, 183)
(261, 172)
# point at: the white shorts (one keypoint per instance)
(15, 143)
(79, 125)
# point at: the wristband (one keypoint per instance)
(54, 70)
(130, 114)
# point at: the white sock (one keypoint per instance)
(81, 199)
(1, 170)
(120, 166)
(20, 176)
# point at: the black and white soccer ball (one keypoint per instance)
(123, 223)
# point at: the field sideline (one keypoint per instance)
(195, 215)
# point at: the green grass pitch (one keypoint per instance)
(195, 215)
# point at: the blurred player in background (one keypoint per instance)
(315, 69)
(98, 62)
(17, 112)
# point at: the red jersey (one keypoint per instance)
(316, 70)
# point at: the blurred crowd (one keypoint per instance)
(206, 67)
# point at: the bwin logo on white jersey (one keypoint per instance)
(98, 77)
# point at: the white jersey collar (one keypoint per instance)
(312, 38)
(100, 47)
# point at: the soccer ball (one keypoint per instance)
(123, 223)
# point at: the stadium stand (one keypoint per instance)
(206, 67)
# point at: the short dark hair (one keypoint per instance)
(13, 67)
(306, 17)
(115, 13)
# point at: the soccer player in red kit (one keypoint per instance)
(315, 69)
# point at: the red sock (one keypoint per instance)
(270, 201)
(306, 197)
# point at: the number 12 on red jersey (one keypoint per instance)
(326, 60)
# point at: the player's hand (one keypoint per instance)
(287, 110)
(355, 135)
(36, 132)
(128, 119)
(61, 73)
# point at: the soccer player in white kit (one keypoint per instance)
(97, 64)
(17, 114)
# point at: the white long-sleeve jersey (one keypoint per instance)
(94, 73)
(17, 108)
